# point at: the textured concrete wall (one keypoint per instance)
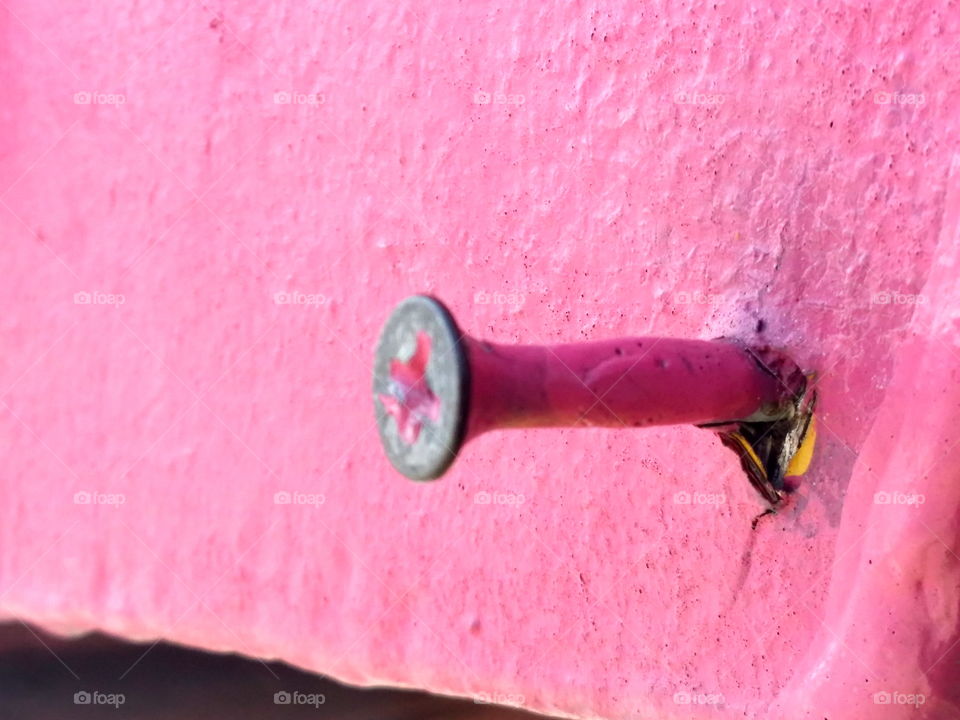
(595, 169)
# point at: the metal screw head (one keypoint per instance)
(421, 388)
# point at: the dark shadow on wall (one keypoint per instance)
(45, 678)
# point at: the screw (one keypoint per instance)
(435, 388)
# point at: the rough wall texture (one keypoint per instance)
(554, 173)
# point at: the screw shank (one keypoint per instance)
(633, 382)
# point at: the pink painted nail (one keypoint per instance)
(436, 388)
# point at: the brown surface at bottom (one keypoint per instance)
(40, 676)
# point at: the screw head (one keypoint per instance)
(421, 388)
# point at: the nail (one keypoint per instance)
(435, 388)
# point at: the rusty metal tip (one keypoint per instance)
(766, 449)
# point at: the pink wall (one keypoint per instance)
(672, 169)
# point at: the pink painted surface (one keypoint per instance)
(556, 174)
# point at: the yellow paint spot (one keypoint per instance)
(755, 461)
(800, 461)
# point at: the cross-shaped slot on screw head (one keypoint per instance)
(409, 399)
